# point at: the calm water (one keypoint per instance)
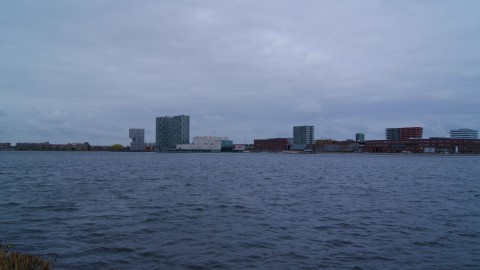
(237, 211)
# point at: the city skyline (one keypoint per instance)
(183, 131)
(89, 70)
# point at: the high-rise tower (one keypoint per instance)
(172, 130)
(303, 135)
(138, 139)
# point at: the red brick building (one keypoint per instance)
(411, 132)
(404, 133)
(432, 145)
(271, 145)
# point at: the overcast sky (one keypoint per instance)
(87, 71)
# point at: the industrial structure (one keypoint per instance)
(172, 130)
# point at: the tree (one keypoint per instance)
(117, 147)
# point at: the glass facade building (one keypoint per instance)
(303, 135)
(360, 137)
(464, 133)
(172, 130)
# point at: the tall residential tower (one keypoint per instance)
(172, 130)
(303, 135)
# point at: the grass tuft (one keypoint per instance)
(10, 260)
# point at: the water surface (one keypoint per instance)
(238, 211)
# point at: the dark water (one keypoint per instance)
(237, 211)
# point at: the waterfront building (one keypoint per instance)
(172, 130)
(239, 148)
(328, 145)
(6, 146)
(464, 133)
(303, 135)
(299, 147)
(360, 137)
(243, 148)
(392, 133)
(207, 144)
(271, 145)
(137, 135)
(227, 146)
(150, 147)
(431, 145)
(404, 133)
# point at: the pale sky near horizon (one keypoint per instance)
(87, 71)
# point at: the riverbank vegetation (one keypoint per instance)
(10, 260)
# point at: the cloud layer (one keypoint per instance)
(75, 71)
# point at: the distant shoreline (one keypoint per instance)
(251, 152)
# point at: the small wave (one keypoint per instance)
(107, 250)
(151, 220)
(338, 243)
(429, 244)
(9, 204)
(263, 245)
(64, 209)
(322, 228)
(295, 256)
(470, 234)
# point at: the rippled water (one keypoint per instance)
(237, 211)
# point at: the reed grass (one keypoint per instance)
(10, 260)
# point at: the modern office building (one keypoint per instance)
(137, 135)
(360, 137)
(303, 135)
(392, 133)
(404, 133)
(464, 133)
(172, 130)
(206, 144)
